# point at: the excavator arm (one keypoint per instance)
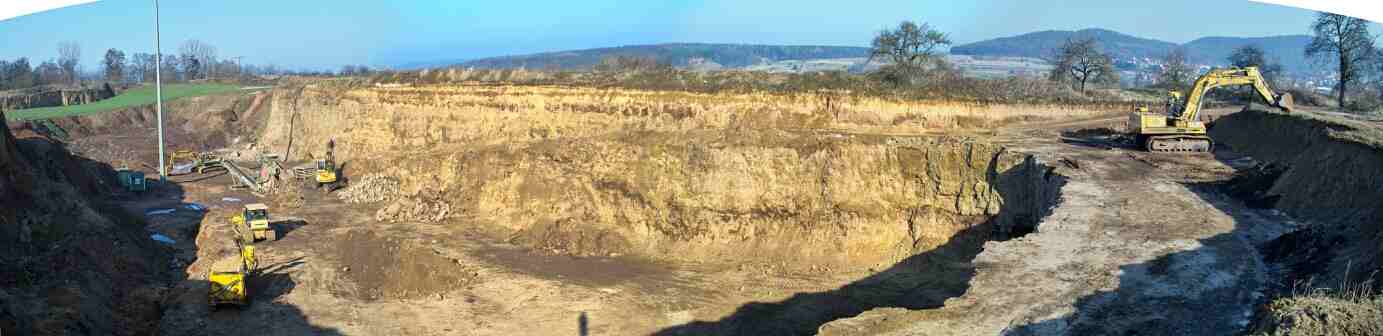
(1228, 77)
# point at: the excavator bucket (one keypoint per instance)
(1285, 102)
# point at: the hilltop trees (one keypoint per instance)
(1346, 42)
(114, 65)
(18, 74)
(50, 72)
(1080, 62)
(910, 48)
(1176, 73)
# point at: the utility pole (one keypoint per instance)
(158, 94)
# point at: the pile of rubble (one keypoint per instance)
(425, 206)
(370, 188)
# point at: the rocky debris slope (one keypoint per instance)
(1325, 169)
(69, 264)
(1331, 177)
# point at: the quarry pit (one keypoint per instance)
(498, 209)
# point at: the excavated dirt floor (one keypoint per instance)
(1073, 235)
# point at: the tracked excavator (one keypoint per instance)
(1180, 128)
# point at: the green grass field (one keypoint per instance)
(143, 95)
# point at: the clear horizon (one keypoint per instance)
(312, 35)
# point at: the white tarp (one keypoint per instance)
(182, 169)
(159, 212)
(162, 239)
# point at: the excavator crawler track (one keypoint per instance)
(1179, 144)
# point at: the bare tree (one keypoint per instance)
(1253, 56)
(69, 58)
(114, 64)
(141, 67)
(1345, 41)
(169, 67)
(910, 48)
(1080, 62)
(1176, 73)
(199, 52)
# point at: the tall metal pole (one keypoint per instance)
(158, 94)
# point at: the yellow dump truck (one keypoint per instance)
(252, 224)
(228, 287)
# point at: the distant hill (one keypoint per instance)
(676, 54)
(1205, 51)
(1040, 44)
(1287, 50)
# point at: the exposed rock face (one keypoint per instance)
(700, 180)
(53, 96)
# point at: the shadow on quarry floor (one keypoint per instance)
(922, 281)
(1190, 292)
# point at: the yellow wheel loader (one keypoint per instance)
(252, 224)
(228, 287)
(1180, 128)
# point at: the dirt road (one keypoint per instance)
(1140, 243)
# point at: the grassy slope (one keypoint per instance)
(140, 96)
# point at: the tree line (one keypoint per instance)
(193, 60)
(1341, 43)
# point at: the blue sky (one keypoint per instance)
(328, 34)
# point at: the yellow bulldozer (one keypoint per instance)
(228, 287)
(1180, 129)
(252, 224)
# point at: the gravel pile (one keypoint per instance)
(369, 189)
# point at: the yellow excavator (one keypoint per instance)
(326, 169)
(228, 287)
(1180, 129)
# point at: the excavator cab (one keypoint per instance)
(326, 174)
(253, 224)
(1174, 104)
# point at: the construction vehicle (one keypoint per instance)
(183, 162)
(1180, 128)
(252, 224)
(326, 169)
(132, 180)
(229, 287)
